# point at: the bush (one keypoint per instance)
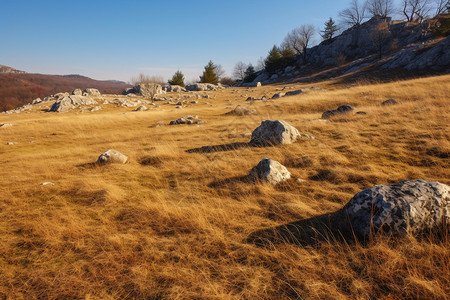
(209, 74)
(177, 79)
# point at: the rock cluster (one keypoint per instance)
(174, 88)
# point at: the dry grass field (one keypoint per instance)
(172, 223)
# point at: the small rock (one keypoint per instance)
(160, 123)
(194, 102)
(278, 95)
(141, 108)
(112, 156)
(241, 111)
(271, 171)
(4, 125)
(343, 109)
(361, 112)
(96, 108)
(11, 143)
(47, 183)
(389, 102)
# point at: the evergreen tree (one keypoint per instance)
(286, 51)
(250, 73)
(329, 30)
(272, 59)
(177, 79)
(209, 74)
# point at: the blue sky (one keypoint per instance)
(120, 39)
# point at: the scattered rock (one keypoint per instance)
(36, 101)
(160, 123)
(112, 156)
(271, 171)
(194, 102)
(11, 143)
(47, 183)
(274, 133)
(414, 206)
(343, 109)
(4, 125)
(179, 103)
(187, 120)
(241, 111)
(389, 102)
(361, 112)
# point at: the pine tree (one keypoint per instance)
(250, 73)
(329, 30)
(177, 79)
(209, 74)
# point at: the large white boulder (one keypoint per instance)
(411, 206)
(112, 156)
(274, 133)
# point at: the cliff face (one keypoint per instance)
(378, 44)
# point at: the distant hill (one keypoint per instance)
(6, 69)
(18, 88)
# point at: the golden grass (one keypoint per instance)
(172, 224)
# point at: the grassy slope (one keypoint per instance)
(159, 229)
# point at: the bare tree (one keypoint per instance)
(416, 10)
(379, 37)
(220, 72)
(441, 7)
(355, 14)
(239, 70)
(299, 38)
(260, 64)
(380, 8)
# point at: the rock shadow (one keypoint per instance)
(220, 148)
(331, 227)
(225, 182)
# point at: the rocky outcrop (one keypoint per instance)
(70, 102)
(341, 110)
(149, 90)
(270, 171)
(77, 92)
(199, 87)
(414, 206)
(112, 156)
(274, 133)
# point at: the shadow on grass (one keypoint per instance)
(225, 182)
(331, 227)
(220, 148)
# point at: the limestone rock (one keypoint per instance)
(70, 102)
(112, 156)
(274, 133)
(174, 88)
(411, 206)
(296, 92)
(271, 171)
